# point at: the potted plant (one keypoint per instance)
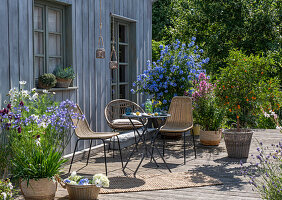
(81, 188)
(47, 81)
(242, 88)
(37, 127)
(206, 112)
(64, 76)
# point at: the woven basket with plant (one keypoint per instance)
(47, 81)
(64, 76)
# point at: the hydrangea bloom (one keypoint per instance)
(172, 74)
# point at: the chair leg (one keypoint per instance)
(73, 154)
(194, 144)
(109, 145)
(135, 140)
(120, 152)
(105, 157)
(163, 144)
(89, 152)
(184, 144)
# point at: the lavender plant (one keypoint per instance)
(172, 74)
(266, 176)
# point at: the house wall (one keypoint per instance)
(93, 75)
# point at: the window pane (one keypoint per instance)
(37, 17)
(114, 75)
(38, 43)
(123, 75)
(38, 66)
(122, 33)
(54, 20)
(53, 63)
(123, 53)
(54, 45)
(123, 92)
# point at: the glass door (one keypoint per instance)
(120, 76)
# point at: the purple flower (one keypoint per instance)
(19, 129)
(21, 103)
(9, 106)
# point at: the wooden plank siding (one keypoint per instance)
(82, 31)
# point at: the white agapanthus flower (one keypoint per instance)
(45, 91)
(10, 185)
(4, 194)
(22, 82)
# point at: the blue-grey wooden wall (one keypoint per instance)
(93, 75)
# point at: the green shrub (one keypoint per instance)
(48, 80)
(244, 87)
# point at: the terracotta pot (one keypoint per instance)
(43, 189)
(63, 83)
(196, 129)
(210, 138)
(238, 143)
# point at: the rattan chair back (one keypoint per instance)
(82, 127)
(116, 108)
(180, 110)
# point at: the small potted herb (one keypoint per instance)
(64, 76)
(47, 81)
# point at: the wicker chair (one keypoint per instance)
(114, 111)
(180, 121)
(83, 132)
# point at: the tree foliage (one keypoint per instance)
(253, 26)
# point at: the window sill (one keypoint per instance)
(57, 89)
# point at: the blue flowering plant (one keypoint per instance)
(35, 130)
(99, 180)
(265, 171)
(172, 74)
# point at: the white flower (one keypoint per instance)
(25, 93)
(101, 180)
(43, 124)
(54, 93)
(22, 82)
(4, 195)
(73, 174)
(98, 183)
(37, 141)
(278, 127)
(45, 91)
(33, 89)
(34, 96)
(10, 186)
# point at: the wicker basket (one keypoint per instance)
(43, 189)
(238, 143)
(80, 192)
(210, 138)
(63, 83)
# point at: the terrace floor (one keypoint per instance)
(212, 161)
